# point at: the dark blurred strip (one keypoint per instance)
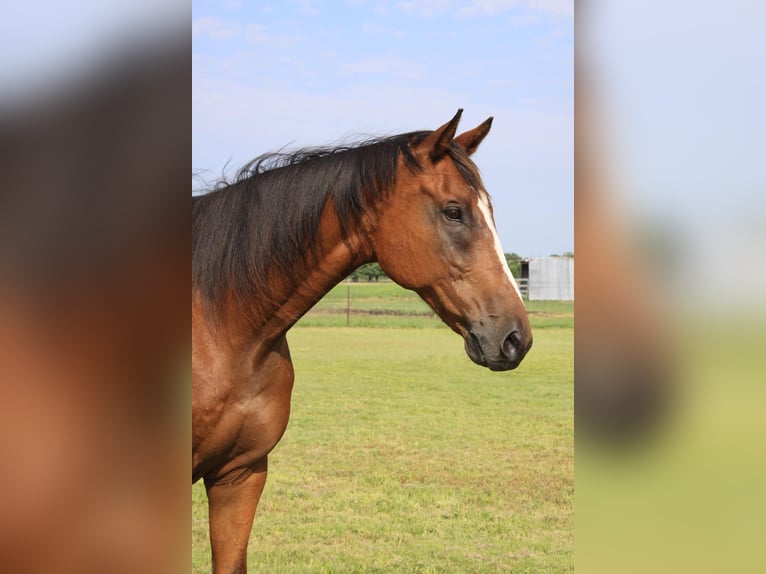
(624, 385)
(94, 324)
(670, 223)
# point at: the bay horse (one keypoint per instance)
(270, 245)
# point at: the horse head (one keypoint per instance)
(435, 234)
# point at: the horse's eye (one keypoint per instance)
(453, 213)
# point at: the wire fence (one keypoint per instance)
(386, 304)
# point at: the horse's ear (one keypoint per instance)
(437, 142)
(471, 139)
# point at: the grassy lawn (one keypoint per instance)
(362, 298)
(403, 456)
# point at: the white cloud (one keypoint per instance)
(213, 28)
(494, 7)
(384, 66)
(424, 7)
(307, 7)
(258, 32)
(262, 35)
(555, 7)
(526, 19)
(487, 7)
(377, 29)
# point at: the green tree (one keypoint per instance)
(514, 263)
(368, 272)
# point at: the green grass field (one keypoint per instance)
(364, 299)
(403, 456)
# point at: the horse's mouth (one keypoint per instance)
(475, 352)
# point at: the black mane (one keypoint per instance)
(267, 219)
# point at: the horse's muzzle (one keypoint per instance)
(498, 352)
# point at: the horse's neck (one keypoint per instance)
(292, 296)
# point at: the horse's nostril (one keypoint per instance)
(512, 343)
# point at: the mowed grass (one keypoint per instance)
(403, 456)
(385, 304)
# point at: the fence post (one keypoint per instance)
(348, 301)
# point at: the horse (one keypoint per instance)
(271, 244)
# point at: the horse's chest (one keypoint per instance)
(238, 418)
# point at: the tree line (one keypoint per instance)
(373, 272)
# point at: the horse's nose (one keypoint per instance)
(516, 344)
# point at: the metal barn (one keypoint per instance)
(548, 278)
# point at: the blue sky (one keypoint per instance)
(298, 73)
(680, 90)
